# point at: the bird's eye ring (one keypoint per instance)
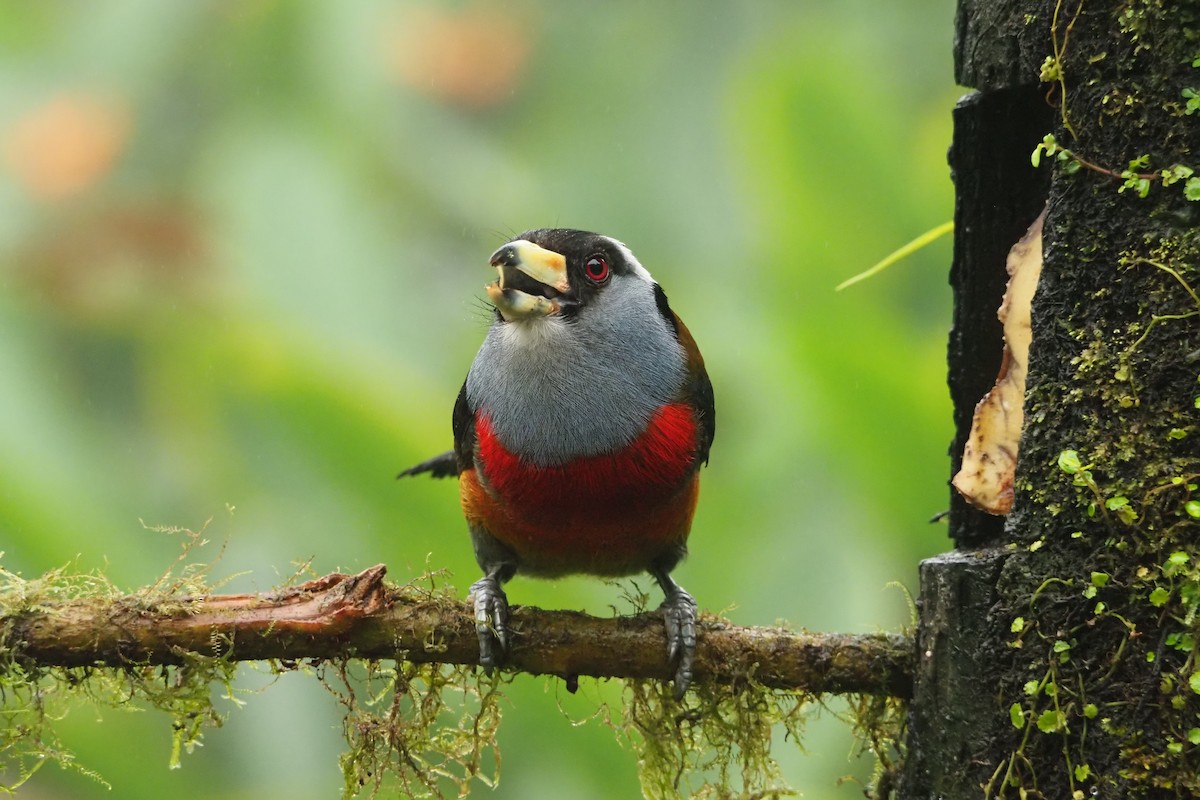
(596, 269)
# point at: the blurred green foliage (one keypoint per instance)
(242, 247)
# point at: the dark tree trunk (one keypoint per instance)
(1057, 647)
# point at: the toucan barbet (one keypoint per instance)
(580, 431)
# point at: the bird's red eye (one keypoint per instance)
(596, 269)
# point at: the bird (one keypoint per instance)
(579, 432)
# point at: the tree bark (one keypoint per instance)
(1057, 654)
(358, 616)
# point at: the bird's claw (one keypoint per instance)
(679, 616)
(491, 621)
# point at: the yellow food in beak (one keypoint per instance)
(531, 278)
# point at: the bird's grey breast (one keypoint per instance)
(556, 389)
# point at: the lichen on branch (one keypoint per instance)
(401, 660)
(361, 616)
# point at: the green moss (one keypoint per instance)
(1106, 653)
(419, 730)
(719, 742)
(427, 730)
(717, 745)
(1103, 617)
(34, 697)
(879, 725)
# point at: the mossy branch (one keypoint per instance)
(339, 616)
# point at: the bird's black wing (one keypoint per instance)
(451, 463)
(702, 392)
(463, 423)
(697, 388)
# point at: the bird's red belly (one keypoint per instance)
(608, 514)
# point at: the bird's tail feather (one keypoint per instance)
(444, 465)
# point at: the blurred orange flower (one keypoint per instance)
(470, 57)
(64, 146)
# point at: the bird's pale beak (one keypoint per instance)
(531, 281)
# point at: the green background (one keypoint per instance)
(242, 253)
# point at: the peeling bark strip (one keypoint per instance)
(358, 616)
(989, 462)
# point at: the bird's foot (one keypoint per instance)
(679, 615)
(491, 621)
